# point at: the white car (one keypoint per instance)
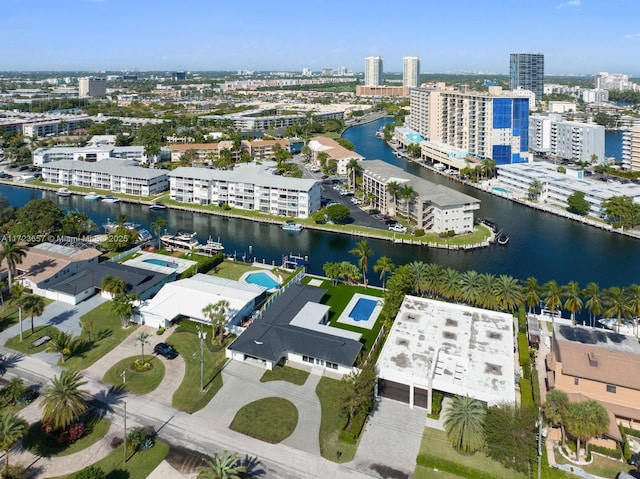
(398, 228)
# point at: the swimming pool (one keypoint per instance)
(501, 190)
(262, 279)
(159, 262)
(363, 309)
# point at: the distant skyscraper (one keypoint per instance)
(411, 72)
(527, 71)
(91, 86)
(373, 71)
(342, 71)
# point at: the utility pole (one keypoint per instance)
(124, 455)
(539, 442)
(202, 335)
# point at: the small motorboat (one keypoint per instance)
(158, 206)
(503, 239)
(93, 196)
(64, 192)
(291, 226)
(110, 199)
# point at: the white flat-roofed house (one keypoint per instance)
(118, 176)
(248, 186)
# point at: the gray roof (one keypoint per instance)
(260, 175)
(272, 336)
(434, 193)
(137, 280)
(112, 166)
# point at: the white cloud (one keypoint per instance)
(570, 3)
(632, 35)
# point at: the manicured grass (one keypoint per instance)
(430, 473)
(435, 443)
(140, 465)
(188, 397)
(108, 333)
(37, 442)
(136, 382)
(601, 466)
(285, 373)
(9, 314)
(234, 270)
(24, 346)
(330, 393)
(270, 419)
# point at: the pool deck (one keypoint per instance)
(368, 324)
(139, 262)
(276, 278)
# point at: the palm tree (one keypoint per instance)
(470, 287)
(418, 271)
(384, 266)
(63, 343)
(573, 303)
(12, 429)
(408, 194)
(143, 339)
(553, 295)
(113, 285)
(33, 306)
(464, 424)
(364, 252)
(507, 292)
(393, 188)
(584, 420)
(486, 298)
(555, 408)
(632, 292)
(615, 304)
(157, 227)
(12, 252)
(123, 307)
(531, 292)
(17, 298)
(64, 402)
(216, 314)
(121, 219)
(535, 189)
(353, 166)
(593, 301)
(433, 279)
(451, 284)
(223, 466)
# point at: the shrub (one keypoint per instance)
(91, 472)
(160, 331)
(226, 207)
(14, 472)
(436, 404)
(613, 453)
(140, 366)
(526, 393)
(418, 232)
(523, 352)
(140, 439)
(72, 434)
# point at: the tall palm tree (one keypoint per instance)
(451, 284)
(531, 292)
(17, 298)
(113, 285)
(593, 300)
(555, 408)
(507, 292)
(632, 292)
(553, 294)
(408, 194)
(433, 279)
(12, 252)
(143, 339)
(464, 424)
(12, 429)
(157, 227)
(364, 252)
(64, 402)
(573, 303)
(384, 266)
(418, 271)
(352, 167)
(470, 287)
(123, 306)
(121, 219)
(216, 314)
(615, 304)
(63, 343)
(33, 306)
(393, 188)
(486, 298)
(223, 466)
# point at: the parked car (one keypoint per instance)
(398, 228)
(163, 349)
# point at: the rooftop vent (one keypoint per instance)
(449, 335)
(494, 369)
(593, 360)
(451, 322)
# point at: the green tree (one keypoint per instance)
(470, 287)
(615, 304)
(433, 279)
(408, 194)
(37, 219)
(622, 211)
(13, 391)
(414, 150)
(77, 224)
(12, 429)
(553, 294)
(464, 424)
(393, 188)
(632, 293)
(363, 251)
(507, 292)
(577, 203)
(535, 190)
(113, 285)
(531, 293)
(332, 271)
(384, 266)
(142, 338)
(510, 435)
(337, 213)
(352, 167)
(450, 286)
(64, 343)
(555, 409)
(223, 466)
(216, 313)
(359, 390)
(157, 227)
(33, 306)
(486, 298)
(584, 420)
(593, 301)
(64, 402)
(573, 302)
(12, 253)
(122, 306)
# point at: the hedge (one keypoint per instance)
(523, 354)
(436, 404)
(452, 467)
(535, 382)
(605, 451)
(351, 434)
(526, 393)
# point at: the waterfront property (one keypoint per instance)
(266, 279)
(160, 263)
(205, 153)
(334, 151)
(435, 208)
(93, 153)
(362, 311)
(295, 328)
(186, 298)
(119, 176)
(249, 186)
(448, 347)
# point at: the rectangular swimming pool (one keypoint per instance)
(363, 309)
(159, 262)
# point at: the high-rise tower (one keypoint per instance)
(526, 70)
(373, 71)
(411, 72)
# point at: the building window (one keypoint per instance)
(308, 359)
(611, 389)
(576, 381)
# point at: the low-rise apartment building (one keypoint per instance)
(248, 186)
(89, 154)
(205, 153)
(334, 151)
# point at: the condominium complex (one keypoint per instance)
(248, 186)
(89, 154)
(334, 151)
(526, 70)
(275, 116)
(373, 71)
(631, 148)
(206, 153)
(569, 140)
(411, 72)
(614, 81)
(433, 207)
(118, 176)
(595, 96)
(42, 125)
(487, 125)
(91, 86)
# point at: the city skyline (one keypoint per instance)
(576, 36)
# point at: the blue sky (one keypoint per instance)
(576, 36)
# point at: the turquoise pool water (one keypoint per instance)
(262, 279)
(159, 262)
(363, 309)
(501, 190)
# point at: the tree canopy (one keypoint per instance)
(577, 203)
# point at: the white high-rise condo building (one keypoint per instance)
(411, 72)
(373, 71)
(91, 86)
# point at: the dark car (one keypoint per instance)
(165, 350)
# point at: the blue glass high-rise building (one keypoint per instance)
(526, 70)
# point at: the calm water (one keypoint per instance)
(541, 245)
(613, 144)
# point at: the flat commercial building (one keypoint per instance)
(456, 349)
(373, 71)
(526, 70)
(434, 207)
(411, 72)
(118, 176)
(488, 125)
(570, 140)
(92, 86)
(248, 186)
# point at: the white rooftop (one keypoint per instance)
(467, 351)
(311, 316)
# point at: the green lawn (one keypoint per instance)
(24, 346)
(188, 397)
(601, 466)
(430, 473)
(9, 314)
(136, 382)
(435, 443)
(37, 442)
(270, 419)
(333, 419)
(234, 270)
(285, 373)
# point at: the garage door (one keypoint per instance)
(420, 397)
(393, 390)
